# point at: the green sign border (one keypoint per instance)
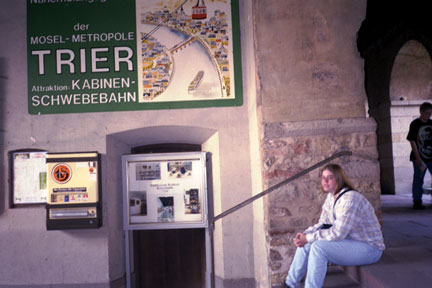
(236, 101)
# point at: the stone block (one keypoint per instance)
(402, 161)
(281, 239)
(276, 231)
(400, 125)
(274, 131)
(279, 212)
(278, 279)
(275, 266)
(401, 149)
(275, 255)
(311, 209)
(284, 194)
(298, 222)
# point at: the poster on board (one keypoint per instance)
(29, 177)
(117, 55)
(73, 178)
(163, 190)
(74, 191)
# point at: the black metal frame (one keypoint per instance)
(77, 223)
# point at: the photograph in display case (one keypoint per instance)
(165, 209)
(138, 203)
(148, 171)
(192, 203)
(180, 169)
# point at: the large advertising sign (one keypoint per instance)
(118, 55)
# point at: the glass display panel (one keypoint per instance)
(29, 177)
(164, 190)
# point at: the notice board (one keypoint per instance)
(28, 172)
(164, 191)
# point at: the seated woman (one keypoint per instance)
(348, 233)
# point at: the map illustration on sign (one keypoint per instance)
(184, 50)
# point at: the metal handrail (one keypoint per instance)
(286, 181)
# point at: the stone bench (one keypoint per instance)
(398, 267)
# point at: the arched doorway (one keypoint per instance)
(158, 138)
(410, 86)
(392, 39)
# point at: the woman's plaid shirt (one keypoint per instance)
(353, 218)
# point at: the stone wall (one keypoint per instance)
(402, 113)
(307, 62)
(291, 147)
(313, 103)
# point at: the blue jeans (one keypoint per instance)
(314, 257)
(417, 187)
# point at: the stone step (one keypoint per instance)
(398, 267)
(337, 278)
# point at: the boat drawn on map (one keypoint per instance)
(196, 81)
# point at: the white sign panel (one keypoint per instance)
(163, 191)
(29, 177)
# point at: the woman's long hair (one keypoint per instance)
(342, 180)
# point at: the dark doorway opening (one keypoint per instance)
(171, 257)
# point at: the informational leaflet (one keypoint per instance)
(29, 178)
(117, 55)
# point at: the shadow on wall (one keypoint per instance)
(3, 80)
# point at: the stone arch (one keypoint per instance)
(410, 85)
(381, 55)
(379, 62)
(411, 76)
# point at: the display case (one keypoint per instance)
(164, 191)
(28, 174)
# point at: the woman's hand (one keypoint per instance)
(300, 240)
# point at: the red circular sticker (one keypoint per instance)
(61, 173)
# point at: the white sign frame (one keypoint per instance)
(28, 177)
(165, 191)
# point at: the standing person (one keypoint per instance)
(347, 233)
(420, 138)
